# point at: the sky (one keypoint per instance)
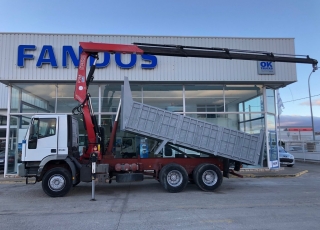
(298, 19)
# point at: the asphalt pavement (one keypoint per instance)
(290, 201)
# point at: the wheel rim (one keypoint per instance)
(209, 177)
(174, 178)
(56, 182)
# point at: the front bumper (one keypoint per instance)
(287, 161)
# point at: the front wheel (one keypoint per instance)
(173, 177)
(207, 177)
(57, 182)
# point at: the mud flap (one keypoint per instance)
(237, 166)
(85, 174)
(226, 166)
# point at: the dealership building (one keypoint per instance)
(38, 73)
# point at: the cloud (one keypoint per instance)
(305, 103)
(300, 121)
(315, 102)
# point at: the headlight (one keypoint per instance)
(291, 157)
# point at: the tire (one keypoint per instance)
(194, 173)
(173, 178)
(207, 177)
(57, 182)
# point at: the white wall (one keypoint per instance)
(169, 69)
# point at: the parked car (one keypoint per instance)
(295, 148)
(285, 157)
(10, 160)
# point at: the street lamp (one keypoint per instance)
(314, 69)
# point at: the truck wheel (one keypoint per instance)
(173, 177)
(207, 177)
(57, 182)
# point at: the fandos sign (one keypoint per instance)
(47, 56)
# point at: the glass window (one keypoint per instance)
(168, 97)
(33, 98)
(18, 128)
(252, 126)
(82, 130)
(270, 101)
(2, 143)
(107, 123)
(235, 94)
(204, 98)
(271, 122)
(33, 109)
(15, 100)
(3, 120)
(111, 94)
(247, 99)
(251, 122)
(253, 105)
(47, 127)
(66, 101)
(224, 120)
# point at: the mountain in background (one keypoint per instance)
(299, 121)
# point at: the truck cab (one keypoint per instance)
(51, 139)
(50, 135)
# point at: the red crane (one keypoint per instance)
(92, 49)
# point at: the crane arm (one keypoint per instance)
(222, 53)
(92, 49)
(195, 51)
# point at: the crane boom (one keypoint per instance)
(222, 53)
(92, 49)
(195, 51)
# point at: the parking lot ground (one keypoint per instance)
(240, 203)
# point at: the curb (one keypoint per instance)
(301, 173)
(5, 181)
(307, 161)
(273, 175)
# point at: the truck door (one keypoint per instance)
(43, 138)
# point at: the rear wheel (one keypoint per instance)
(57, 182)
(207, 177)
(173, 178)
